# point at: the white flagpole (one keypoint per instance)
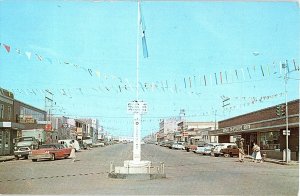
(137, 51)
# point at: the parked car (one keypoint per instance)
(169, 144)
(216, 151)
(24, 145)
(206, 149)
(68, 143)
(178, 146)
(231, 150)
(50, 152)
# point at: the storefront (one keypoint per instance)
(265, 128)
(8, 131)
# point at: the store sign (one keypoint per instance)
(27, 120)
(238, 128)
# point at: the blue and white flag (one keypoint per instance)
(143, 29)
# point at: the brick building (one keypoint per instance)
(8, 124)
(265, 128)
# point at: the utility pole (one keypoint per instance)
(285, 66)
(48, 107)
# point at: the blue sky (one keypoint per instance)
(88, 57)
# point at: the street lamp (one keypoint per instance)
(285, 66)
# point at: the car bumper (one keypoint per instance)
(40, 156)
(21, 153)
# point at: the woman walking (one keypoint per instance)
(72, 155)
(257, 156)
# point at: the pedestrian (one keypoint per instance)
(257, 157)
(72, 154)
(253, 152)
(241, 150)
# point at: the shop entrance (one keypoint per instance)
(4, 142)
(250, 138)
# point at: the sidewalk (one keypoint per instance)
(6, 158)
(276, 161)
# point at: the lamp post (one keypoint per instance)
(286, 111)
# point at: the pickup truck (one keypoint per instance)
(50, 152)
(24, 145)
(231, 150)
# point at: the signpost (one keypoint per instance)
(137, 108)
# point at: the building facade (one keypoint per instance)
(266, 128)
(167, 129)
(9, 127)
(193, 132)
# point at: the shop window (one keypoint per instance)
(1, 111)
(9, 113)
(269, 140)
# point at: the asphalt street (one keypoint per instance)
(187, 174)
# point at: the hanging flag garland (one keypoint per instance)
(145, 86)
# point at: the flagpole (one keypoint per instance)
(137, 51)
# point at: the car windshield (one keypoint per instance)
(47, 146)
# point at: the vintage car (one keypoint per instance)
(206, 149)
(178, 146)
(50, 152)
(216, 151)
(231, 150)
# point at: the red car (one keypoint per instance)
(50, 152)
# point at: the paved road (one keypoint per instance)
(187, 173)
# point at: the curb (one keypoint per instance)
(281, 162)
(6, 158)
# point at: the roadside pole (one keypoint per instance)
(286, 113)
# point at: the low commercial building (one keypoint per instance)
(8, 125)
(266, 128)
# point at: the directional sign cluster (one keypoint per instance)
(137, 107)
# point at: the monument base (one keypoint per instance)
(140, 170)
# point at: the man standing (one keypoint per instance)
(241, 150)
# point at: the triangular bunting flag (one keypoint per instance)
(39, 57)
(28, 54)
(7, 47)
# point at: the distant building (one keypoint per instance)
(190, 131)
(167, 128)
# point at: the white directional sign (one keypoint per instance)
(137, 107)
(288, 132)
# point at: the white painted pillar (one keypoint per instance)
(137, 138)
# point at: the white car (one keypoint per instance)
(216, 151)
(178, 146)
(68, 143)
(206, 149)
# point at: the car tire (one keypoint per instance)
(226, 155)
(17, 157)
(34, 160)
(231, 155)
(52, 158)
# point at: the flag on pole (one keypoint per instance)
(143, 29)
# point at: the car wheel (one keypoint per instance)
(34, 160)
(226, 155)
(52, 158)
(26, 157)
(216, 155)
(231, 155)
(17, 157)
